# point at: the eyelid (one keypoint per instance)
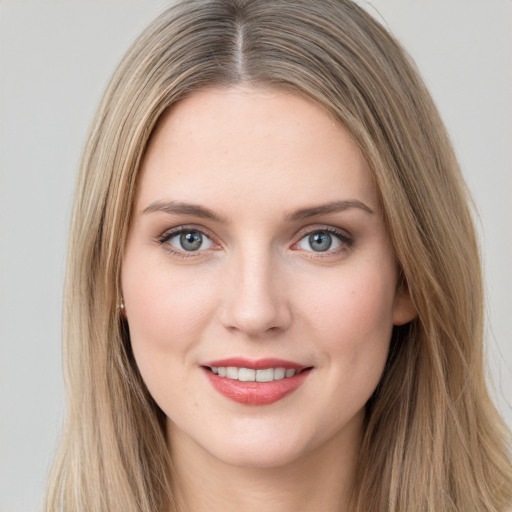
(345, 238)
(170, 233)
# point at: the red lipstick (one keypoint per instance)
(253, 392)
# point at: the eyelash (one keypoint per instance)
(345, 240)
(169, 235)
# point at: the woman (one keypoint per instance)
(274, 296)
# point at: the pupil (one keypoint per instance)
(320, 241)
(191, 240)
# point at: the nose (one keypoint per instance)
(255, 297)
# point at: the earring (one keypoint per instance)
(121, 306)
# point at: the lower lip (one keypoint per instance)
(256, 393)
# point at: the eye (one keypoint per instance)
(187, 240)
(324, 240)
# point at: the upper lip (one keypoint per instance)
(256, 364)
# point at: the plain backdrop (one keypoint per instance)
(55, 59)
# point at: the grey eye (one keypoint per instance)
(190, 240)
(319, 241)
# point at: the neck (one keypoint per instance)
(319, 480)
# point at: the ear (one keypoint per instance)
(122, 308)
(403, 308)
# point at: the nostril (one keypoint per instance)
(254, 307)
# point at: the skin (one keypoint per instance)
(256, 288)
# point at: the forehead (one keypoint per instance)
(243, 140)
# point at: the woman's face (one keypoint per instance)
(258, 278)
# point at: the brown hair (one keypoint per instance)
(432, 441)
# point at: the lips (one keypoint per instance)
(259, 382)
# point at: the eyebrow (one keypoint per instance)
(181, 208)
(324, 209)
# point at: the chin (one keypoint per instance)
(268, 446)
(254, 456)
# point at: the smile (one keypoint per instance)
(261, 382)
(252, 375)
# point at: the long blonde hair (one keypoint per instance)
(432, 440)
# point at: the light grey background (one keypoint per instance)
(55, 59)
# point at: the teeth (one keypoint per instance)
(232, 372)
(279, 373)
(265, 375)
(246, 375)
(250, 375)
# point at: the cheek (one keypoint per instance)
(358, 303)
(166, 310)
(167, 313)
(353, 318)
